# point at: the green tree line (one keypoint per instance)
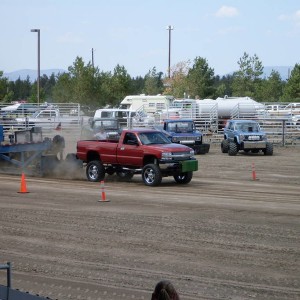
(85, 84)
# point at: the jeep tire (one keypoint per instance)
(201, 149)
(269, 149)
(225, 146)
(233, 149)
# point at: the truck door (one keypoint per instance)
(130, 152)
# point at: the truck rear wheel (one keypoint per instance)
(151, 175)
(225, 146)
(95, 171)
(184, 178)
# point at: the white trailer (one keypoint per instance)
(148, 104)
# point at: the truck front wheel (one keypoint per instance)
(184, 178)
(95, 171)
(151, 175)
(233, 149)
(269, 149)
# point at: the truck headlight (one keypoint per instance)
(192, 153)
(174, 139)
(242, 137)
(166, 155)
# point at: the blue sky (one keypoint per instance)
(133, 33)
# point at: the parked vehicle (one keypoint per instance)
(149, 104)
(110, 126)
(49, 117)
(296, 120)
(283, 111)
(19, 109)
(124, 116)
(139, 151)
(245, 135)
(183, 131)
(293, 122)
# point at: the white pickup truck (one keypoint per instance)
(47, 118)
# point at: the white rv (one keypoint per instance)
(148, 104)
(126, 117)
(123, 115)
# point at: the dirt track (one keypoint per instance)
(223, 236)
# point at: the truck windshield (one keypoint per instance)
(247, 127)
(150, 138)
(181, 127)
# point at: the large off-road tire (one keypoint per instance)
(95, 171)
(184, 178)
(269, 149)
(202, 149)
(151, 175)
(233, 149)
(125, 175)
(225, 146)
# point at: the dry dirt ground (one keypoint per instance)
(223, 236)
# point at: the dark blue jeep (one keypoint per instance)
(183, 131)
(245, 135)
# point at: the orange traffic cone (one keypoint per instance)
(253, 172)
(23, 187)
(103, 194)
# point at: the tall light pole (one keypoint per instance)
(169, 65)
(93, 57)
(38, 67)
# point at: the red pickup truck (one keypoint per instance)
(139, 151)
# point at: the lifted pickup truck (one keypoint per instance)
(183, 131)
(139, 151)
(245, 135)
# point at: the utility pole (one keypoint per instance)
(39, 67)
(93, 57)
(169, 63)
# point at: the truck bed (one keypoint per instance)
(107, 148)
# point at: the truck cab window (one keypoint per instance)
(130, 137)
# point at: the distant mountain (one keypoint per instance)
(22, 74)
